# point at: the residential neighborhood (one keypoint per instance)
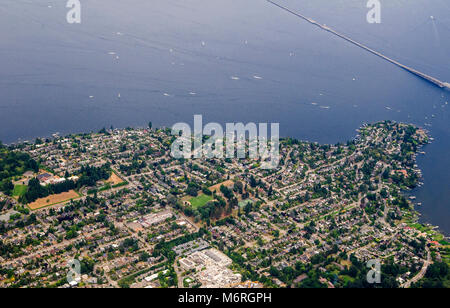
(131, 215)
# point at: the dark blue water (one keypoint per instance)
(155, 53)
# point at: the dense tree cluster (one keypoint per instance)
(193, 189)
(88, 177)
(13, 164)
(437, 276)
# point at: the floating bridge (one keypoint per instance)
(426, 77)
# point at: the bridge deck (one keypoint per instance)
(426, 77)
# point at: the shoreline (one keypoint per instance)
(407, 193)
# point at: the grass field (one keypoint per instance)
(19, 190)
(54, 199)
(200, 201)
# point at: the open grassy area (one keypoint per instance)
(200, 201)
(216, 187)
(19, 190)
(243, 203)
(54, 199)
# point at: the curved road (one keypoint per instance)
(422, 272)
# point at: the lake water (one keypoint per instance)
(229, 60)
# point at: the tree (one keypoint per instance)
(87, 266)
(238, 187)
(150, 125)
(193, 189)
(226, 192)
(206, 191)
(171, 199)
(7, 187)
(248, 208)
(253, 182)
(15, 164)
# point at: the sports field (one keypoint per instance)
(200, 201)
(54, 199)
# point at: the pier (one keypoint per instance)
(435, 81)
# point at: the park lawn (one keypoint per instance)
(19, 190)
(200, 201)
